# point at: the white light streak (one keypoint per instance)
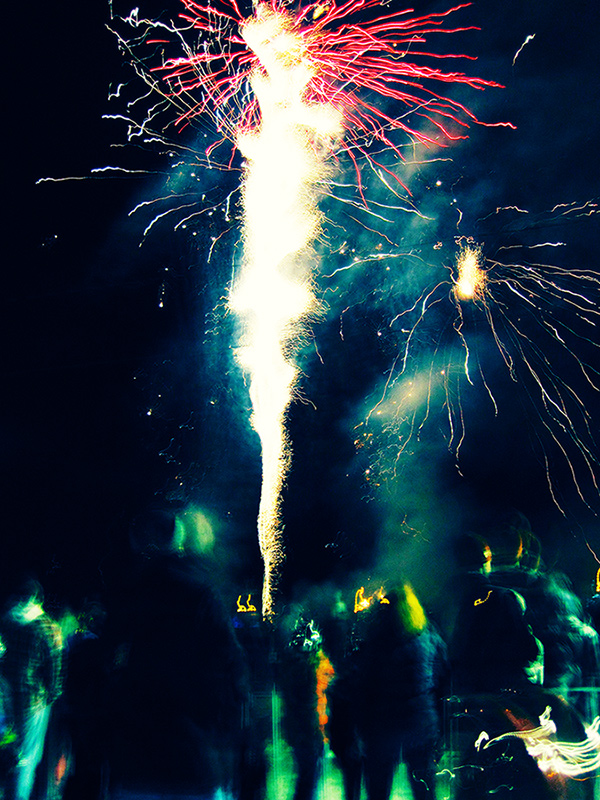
(573, 759)
(285, 160)
(528, 39)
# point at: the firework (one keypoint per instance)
(470, 277)
(353, 54)
(541, 319)
(291, 87)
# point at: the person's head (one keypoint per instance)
(473, 553)
(92, 616)
(24, 589)
(513, 542)
(152, 532)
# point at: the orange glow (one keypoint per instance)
(325, 673)
(520, 549)
(487, 559)
(60, 769)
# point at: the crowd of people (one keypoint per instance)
(159, 692)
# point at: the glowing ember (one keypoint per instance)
(361, 603)
(471, 279)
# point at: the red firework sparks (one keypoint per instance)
(351, 58)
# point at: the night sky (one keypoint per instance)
(120, 387)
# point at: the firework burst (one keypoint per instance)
(542, 319)
(291, 86)
(357, 59)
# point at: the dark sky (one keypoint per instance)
(120, 387)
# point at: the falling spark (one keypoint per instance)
(528, 39)
(290, 88)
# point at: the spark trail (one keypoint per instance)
(291, 86)
(542, 319)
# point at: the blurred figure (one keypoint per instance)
(255, 637)
(177, 687)
(572, 645)
(83, 704)
(553, 612)
(8, 738)
(492, 647)
(335, 627)
(303, 674)
(593, 605)
(498, 676)
(32, 671)
(385, 703)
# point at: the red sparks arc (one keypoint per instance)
(352, 60)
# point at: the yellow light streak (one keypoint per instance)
(361, 603)
(481, 600)
(249, 606)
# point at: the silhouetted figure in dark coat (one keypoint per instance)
(255, 637)
(299, 659)
(497, 667)
(492, 647)
(385, 704)
(552, 610)
(84, 705)
(177, 685)
(9, 754)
